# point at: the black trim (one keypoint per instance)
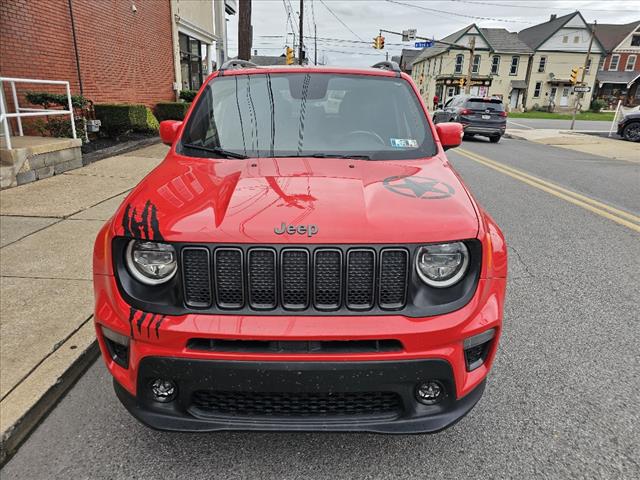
(422, 300)
(297, 378)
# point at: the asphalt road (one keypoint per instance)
(530, 123)
(563, 400)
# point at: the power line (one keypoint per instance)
(433, 10)
(339, 40)
(538, 7)
(338, 18)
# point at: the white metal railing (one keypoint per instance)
(29, 112)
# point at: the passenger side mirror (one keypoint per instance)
(169, 131)
(440, 105)
(450, 134)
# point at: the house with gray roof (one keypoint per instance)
(560, 45)
(499, 66)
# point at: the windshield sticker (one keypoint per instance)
(424, 188)
(404, 142)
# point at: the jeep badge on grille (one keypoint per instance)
(310, 229)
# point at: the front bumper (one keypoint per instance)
(296, 396)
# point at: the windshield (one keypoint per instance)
(308, 114)
(484, 104)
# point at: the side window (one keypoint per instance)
(459, 63)
(536, 90)
(613, 63)
(514, 65)
(542, 64)
(449, 102)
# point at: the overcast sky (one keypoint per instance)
(432, 18)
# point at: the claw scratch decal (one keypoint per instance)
(137, 319)
(147, 227)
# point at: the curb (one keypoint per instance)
(13, 437)
(119, 149)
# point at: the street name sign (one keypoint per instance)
(424, 44)
(582, 88)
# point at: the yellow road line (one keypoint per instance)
(596, 203)
(599, 208)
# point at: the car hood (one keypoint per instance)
(334, 200)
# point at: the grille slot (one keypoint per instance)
(262, 278)
(394, 268)
(229, 277)
(298, 404)
(328, 279)
(294, 346)
(197, 277)
(360, 278)
(308, 279)
(295, 279)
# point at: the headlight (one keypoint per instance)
(442, 264)
(152, 263)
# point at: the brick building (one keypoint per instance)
(110, 51)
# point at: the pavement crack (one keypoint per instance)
(521, 261)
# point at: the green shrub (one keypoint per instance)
(47, 99)
(171, 110)
(117, 119)
(597, 105)
(188, 95)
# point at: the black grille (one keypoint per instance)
(262, 278)
(229, 278)
(197, 277)
(251, 404)
(282, 278)
(294, 346)
(328, 279)
(360, 278)
(295, 279)
(394, 267)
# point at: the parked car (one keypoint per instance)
(629, 127)
(478, 115)
(304, 258)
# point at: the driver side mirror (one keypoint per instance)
(169, 131)
(450, 134)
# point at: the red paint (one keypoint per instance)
(242, 201)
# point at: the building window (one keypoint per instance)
(631, 63)
(576, 39)
(459, 63)
(613, 64)
(536, 90)
(565, 39)
(514, 65)
(495, 65)
(476, 64)
(601, 63)
(635, 41)
(542, 64)
(191, 60)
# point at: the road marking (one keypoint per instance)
(607, 211)
(520, 124)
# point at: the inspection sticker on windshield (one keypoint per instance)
(403, 143)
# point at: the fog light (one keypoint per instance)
(430, 392)
(476, 349)
(163, 390)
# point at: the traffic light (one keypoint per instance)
(289, 53)
(462, 81)
(378, 42)
(574, 75)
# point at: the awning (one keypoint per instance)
(618, 78)
(518, 84)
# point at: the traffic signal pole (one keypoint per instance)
(301, 46)
(584, 71)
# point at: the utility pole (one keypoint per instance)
(472, 46)
(315, 41)
(584, 71)
(245, 30)
(301, 46)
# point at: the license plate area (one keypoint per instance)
(486, 117)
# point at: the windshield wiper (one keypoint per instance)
(217, 150)
(327, 155)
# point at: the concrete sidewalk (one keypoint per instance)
(613, 147)
(47, 230)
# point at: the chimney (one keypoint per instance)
(553, 17)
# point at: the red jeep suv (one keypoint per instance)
(304, 258)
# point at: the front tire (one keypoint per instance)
(495, 138)
(631, 132)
